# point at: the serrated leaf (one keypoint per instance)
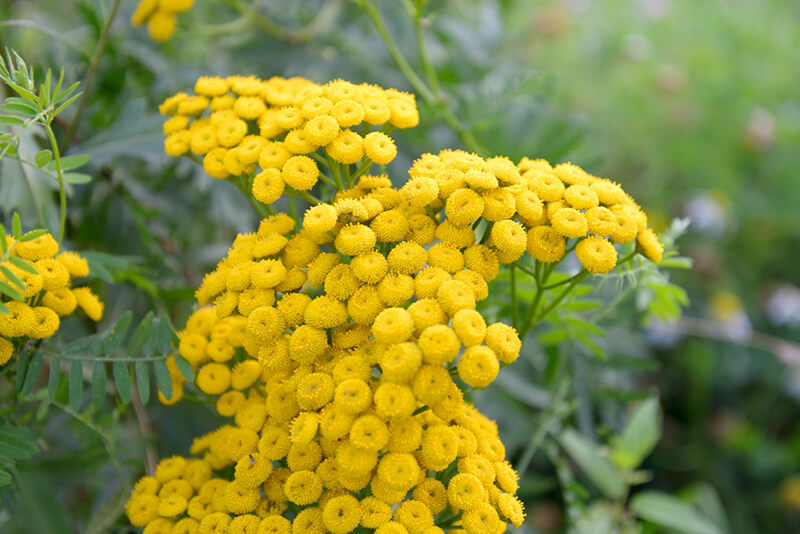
(639, 437)
(98, 385)
(122, 379)
(52, 379)
(33, 234)
(140, 335)
(114, 340)
(32, 376)
(670, 512)
(10, 292)
(12, 277)
(23, 264)
(3, 241)
(142, 370)
(596, 349)
(7, 120)
(163, 378)
(602, 473)
(77, 178)
(71, 99)
(184, 367)
(16, 226)
(75, 385)
(5, 478)
(43, 157)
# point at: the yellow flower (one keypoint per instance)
(374, 512)
(6, 350)
(482, 519)
(380, 148)
(596, 254)
(369, 432)
(45, 323)
(414, 515)
(405, 434)
(569, 222)
(142, 509)
(352, 396)
(18, 322)
(341, 283)
(511, 508)
(400, 362)
(464, 206)
(394, 400)
(161, 25)
(398, 470)
(465, 491)
(390, 226)
(309, 520)
(504, 341)
(348, 113)
(581, 197)
(303, 487)
(445, 257)
(439, 344)
(346, 148)
(325, 312)
(439, 447)
(213, 162)
(321, 130)
(314, 391)
(275, 524)
(268, 186)
(431, 384)
(545, 244)
(213, 378)
(393, 325)
(354, 239)
(651, 248)
(478, 366)
(432, 493)
(342, 514)
(455, 295)
(273, 155)
(404, 112)
(510, 239)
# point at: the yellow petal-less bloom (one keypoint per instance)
(597, 255)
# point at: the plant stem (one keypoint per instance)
(335, 171)
(416, 82)
(93, 63)
(573, 282)
(514, 309)
(427, 67)
(308, 197)
(526, 323)
(62, 219)
(561, 283)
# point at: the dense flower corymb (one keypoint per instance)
(340, 345)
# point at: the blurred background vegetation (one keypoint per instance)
(692, 106)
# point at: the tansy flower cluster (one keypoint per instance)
(275, 132)
(43, 281)
(341, 346)
(159, 15)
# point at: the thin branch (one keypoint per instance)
(93, 63)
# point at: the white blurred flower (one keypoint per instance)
(707, 213)
(783, 306)
(637, 47)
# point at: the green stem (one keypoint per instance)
(416, 82)
(93, 63)
(427, 67)
(62, 220)
(561, 283)
(348, 176)
(525, 269)
(308, 197)
(365, 166)
(514, 309)
(526, 323)
(573, 282)
(335, 171)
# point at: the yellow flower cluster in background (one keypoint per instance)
(284, 127)
(159, 15)
(48, 294)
